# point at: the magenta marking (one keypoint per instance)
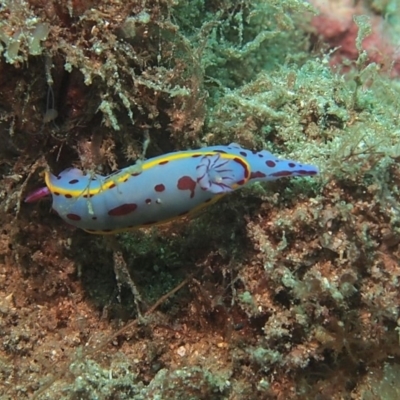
(37, 195)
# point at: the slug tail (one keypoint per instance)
(37, 195)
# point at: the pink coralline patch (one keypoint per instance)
(336, 26)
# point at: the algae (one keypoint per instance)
(292, 287)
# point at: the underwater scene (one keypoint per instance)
(200, 199)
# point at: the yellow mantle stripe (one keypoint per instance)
(115, 179)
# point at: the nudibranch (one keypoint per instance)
(161, 188)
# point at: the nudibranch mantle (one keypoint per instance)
(162, 188)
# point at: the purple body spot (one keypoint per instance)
(257, 174)
(270, 163)
(73, 181)
(282, 173)
(292, 165)
(123, 209)
(243, 153)
(148, 201)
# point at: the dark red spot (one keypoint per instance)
(304, 172)
(88, 195)
(196, 155)
(292, 165)
(56, 193)
(148, 201)
(246, 171)
(243, 153)
(73, 181)
(123, 209)
(257, 174)
(112, 186)
(241, 182)
(68, 196)
(74, 217)
(187, 183)
(282, 173)
(163, 162)
(159, 188)
(270, 163)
